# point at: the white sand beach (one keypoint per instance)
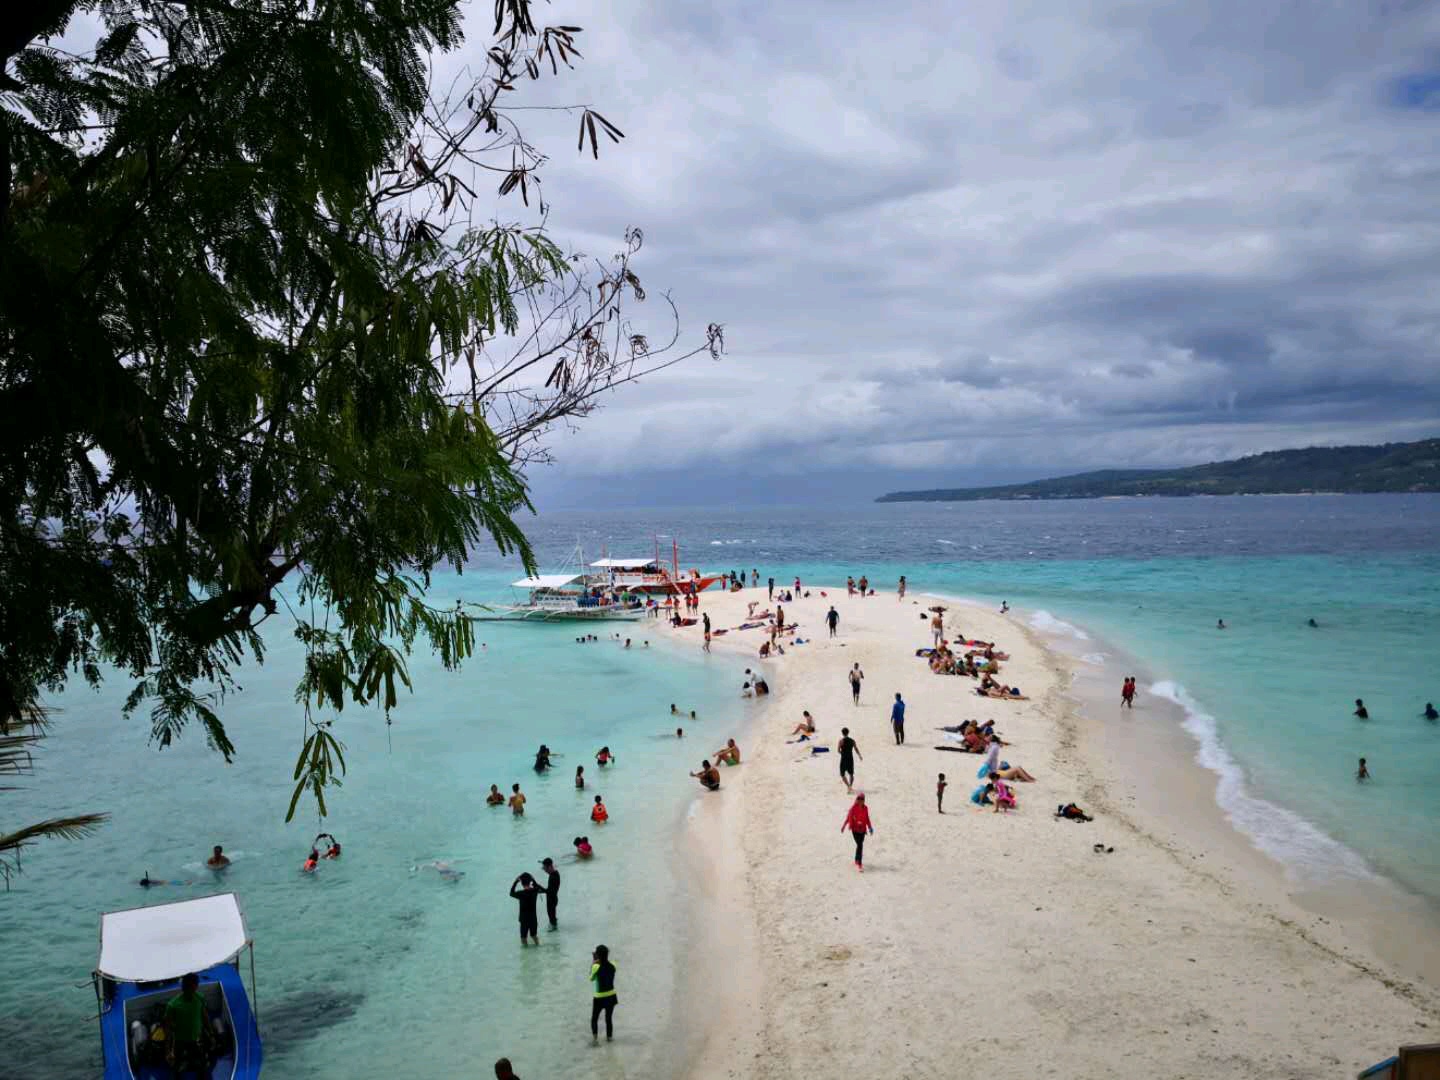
(977, 941)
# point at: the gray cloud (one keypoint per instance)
(1079, 234)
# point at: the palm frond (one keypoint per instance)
(68, 828)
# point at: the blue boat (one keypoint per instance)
(144, 954)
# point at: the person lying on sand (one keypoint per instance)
(1071, 812)
(1014, 772)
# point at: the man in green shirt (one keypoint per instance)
(185, 1022)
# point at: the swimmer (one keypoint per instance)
(583, 850)
(673, 710)
(603, 756)
(1219, 624)
(1360, 711)
(1430, 713)
(504, 1070)
(729, 754)
(334, 850)
(580, 777)
(542, 758)
(692, 714)
(494, 798)
(679, 733)
(1362, 773)
(311, 862)
(598, 814)
(217, 860)
(517, 801)
(1004, 607)
(444, 869)
(1313, 624)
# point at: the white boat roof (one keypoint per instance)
(546, 581)
(166, 941)
(621, 564)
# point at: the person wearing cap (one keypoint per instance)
(857, 820)
(552, 889)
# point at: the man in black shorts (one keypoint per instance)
(848, 752)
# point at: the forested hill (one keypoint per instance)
(1351, 469)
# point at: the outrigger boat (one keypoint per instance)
(560, 597)
(651, 576)
(144, 953)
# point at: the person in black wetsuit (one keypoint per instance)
(528, 891)
(602, 974)
(1430, 713)
(1360, 711)
(552, 890)
(542, 758)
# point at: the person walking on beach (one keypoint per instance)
(857, 821)
(940, 794)
(706, 618)
(937, 629)
(897, 719)
(864, 586)
(855, 676)
(1362, 773)
(528, 891)
(552, 890)
(1127, 692)
(602, 974)
(832, 619)
(900, 589)
(517, 801)
(849, 751)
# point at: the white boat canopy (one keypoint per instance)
(547, 581)
(166, 941)
(624, 564)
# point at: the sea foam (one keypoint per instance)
(1278, 832)
(1048, 624)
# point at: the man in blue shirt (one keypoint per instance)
(897, 720)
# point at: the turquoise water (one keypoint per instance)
(367, 968)
(370, 970)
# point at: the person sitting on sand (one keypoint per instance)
(764, 649)
(709, 776)
(494, 798)
(1004, 797)
(806, 725)
(217, 860)
(981, 795)
(761, 687)
(729, 754)
(583, 850)
(746, 691)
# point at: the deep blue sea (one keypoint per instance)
(373, 969)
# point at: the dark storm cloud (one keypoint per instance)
(1089, 234)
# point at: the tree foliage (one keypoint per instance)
(254, 330)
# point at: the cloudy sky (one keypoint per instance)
(1000, 239)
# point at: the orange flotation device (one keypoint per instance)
(599, 814)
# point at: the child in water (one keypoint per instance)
(1362, 773)
(580, 777)
(603, 756)
(311, 862)
(583, 850)
(598, 814)
(494, 798)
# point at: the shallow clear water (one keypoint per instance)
(370, 970)
(367, 968)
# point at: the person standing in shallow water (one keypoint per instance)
(1362, 773)
(900, 589)
(602, 975)
(527, 891)
(1361, 712)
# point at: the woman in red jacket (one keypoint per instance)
(858, 822)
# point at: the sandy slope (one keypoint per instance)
(977, 941)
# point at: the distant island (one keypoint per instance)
(1411, 466)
